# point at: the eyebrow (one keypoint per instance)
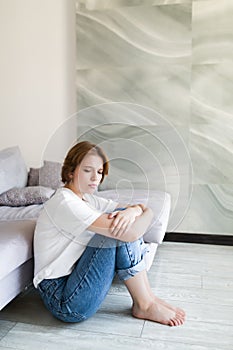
(91, 167)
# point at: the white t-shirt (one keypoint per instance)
(61, 236)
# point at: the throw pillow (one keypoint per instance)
(33, 177)
(50, 175)
(18, 197)
(13, 170)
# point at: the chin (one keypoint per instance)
(91, 190)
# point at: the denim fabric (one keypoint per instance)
(78, 296)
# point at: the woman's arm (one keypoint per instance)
(125, 219)
(136, 206)
(121, 229)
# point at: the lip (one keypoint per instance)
(92, 185)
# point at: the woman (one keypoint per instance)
(81, 241)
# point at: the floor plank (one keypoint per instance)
(195, 277)
(211, 282)
(192, 332)
(5, 327)
(206, 267)
(52, 338)
(207, 313)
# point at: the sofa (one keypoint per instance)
(21, 200)
(22, 194)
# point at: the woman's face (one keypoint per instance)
(87, 175)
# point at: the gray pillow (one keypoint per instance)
(33, 177)
(13, 170)
(19, 197)
(50, 175)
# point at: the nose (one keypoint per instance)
(94, 176)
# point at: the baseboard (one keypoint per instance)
(201, 238)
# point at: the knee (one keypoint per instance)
(69, 317)
(129, 254)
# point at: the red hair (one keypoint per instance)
(75, 156)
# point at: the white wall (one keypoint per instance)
(37, 66)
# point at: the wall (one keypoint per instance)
(174, 57)
(37, 73)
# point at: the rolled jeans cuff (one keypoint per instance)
(125, 274)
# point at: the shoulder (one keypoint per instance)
(94, 199)
(65, 195)
(62, 200)
(100, 203)
(66, 207)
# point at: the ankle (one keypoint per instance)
(142, 305)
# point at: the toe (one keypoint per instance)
(180, 315)
(177, 321)
(180, 312)
(171, 323)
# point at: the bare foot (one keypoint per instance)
(158, 312)
(178, 310)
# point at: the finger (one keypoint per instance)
(126, 221)
(120, 232)
(118, 226)
(113, 214)
(122, 229)
(115, 221)
(128, 227)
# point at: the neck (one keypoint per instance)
(73, 189)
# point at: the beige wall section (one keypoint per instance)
(37, 66)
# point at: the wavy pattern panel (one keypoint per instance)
(211, 156)
(212, 86)
(156, 86)
(151, 156)
(211, 132)
(103, 4)
(212, 31)
(175, 58)
(134, 36)
(211, 210)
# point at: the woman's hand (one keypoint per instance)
(124, 219)
(127, 225)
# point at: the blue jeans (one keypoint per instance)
(78, 296)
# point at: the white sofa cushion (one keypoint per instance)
(13, 170)
(158, 201)
(15, 244)
(29, 212)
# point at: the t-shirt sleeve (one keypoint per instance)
(74, 216)
(103, 204)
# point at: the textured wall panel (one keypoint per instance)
(159, 74)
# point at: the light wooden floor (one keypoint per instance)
(198, 278)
